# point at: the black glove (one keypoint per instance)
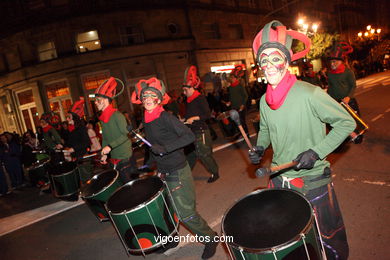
(256, 154)
(306, 160)
(158, 149)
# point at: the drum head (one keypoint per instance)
(62, 167)
(267, 219)
(133, 194)
(98, 182)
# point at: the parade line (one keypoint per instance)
(24, 219)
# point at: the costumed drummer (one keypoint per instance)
(168, 136)
(51, 138)
(197, 112)
(77, 143)
(342, 82)
(114, 127)
(293, 116)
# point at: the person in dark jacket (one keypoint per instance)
(168, 136)
(197, 112)
(10, 152)
(78, 143)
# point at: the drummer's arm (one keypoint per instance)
(184, 134)
(331, 112)
(263, 138)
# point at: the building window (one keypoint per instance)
(47, 51)
(235, 32)
(210, 31)
(88, 41)
(57, 89)
(132, 35)
(93, 81)
(25, 97)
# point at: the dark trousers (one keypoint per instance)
(242, 115)
(181, 185)
(202, 150)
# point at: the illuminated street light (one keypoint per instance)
(368, 27)
(314, 27)
(301, 21)
(378, 30)
(372, 31)
(307, 27)
(360, 34)
(366, 34)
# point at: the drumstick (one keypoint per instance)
(236, 118)
(268, 171)
(142, 139)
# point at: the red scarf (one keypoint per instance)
(193, 96)
(275, 97)
(235, 83)
(149, 117)
(338, 70)
(107, 113)
(71, 128)
(47, 128)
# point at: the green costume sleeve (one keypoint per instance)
(263, 138)
(331, 112)
(121, 124)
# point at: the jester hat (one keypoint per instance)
(51, 118)
(108, 88)
(78, 108)
(340, 51)
(238, 71)
(152, 84)
(275, 35)
(191, 78)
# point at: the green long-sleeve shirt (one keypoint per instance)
(341, 85)
(237, 96)
(115, 135)
(299, 125)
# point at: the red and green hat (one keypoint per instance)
(191, 78)
(238, 71)
(275, 35)
(152, 84)
(340, 50)
(78, 108)
(108, 88)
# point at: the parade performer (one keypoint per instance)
(78, 143)
(114, 127)
(238, 95)
(342, 82)
(168, 136)
(293, 116)
(51, 137)
(197, 112)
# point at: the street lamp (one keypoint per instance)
(370, 33)
(307, 28)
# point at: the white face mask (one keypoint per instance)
(274, 64)
(150, 100)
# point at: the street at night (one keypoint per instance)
(360, 173)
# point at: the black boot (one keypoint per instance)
(358, 139)
(213, 178)
(209, 250)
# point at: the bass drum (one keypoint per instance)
(141, 211)
(98, 189)
(65, 181)
(272, 224)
